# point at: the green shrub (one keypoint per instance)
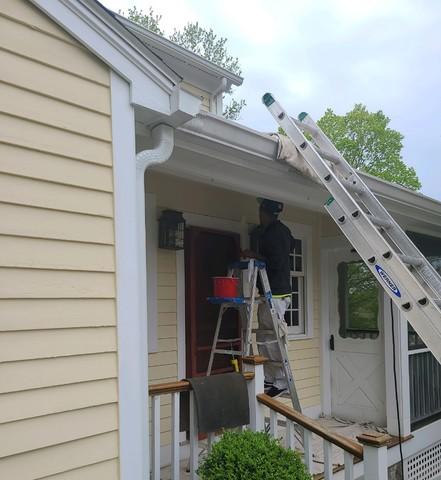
(251, 456)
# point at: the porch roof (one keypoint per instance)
(214, 150)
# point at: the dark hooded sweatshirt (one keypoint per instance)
(275, 245)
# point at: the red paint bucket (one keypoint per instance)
(226, 287)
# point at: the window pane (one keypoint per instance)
(291, 263)
(298, 263)
(294, 284)
(295, 319)
(358, 298)
(298, 247)
(295, 300)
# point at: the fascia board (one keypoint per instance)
(83, 19)
(171, 48)
(229, 135)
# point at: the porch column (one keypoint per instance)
(401, 367)
(374, 455)
(255, 364)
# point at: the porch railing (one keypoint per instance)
(174, 389)
(371, 448)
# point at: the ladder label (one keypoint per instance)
(390, 284)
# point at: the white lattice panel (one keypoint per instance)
(425, 465)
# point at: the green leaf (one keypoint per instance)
(251, 456)
(368, 144)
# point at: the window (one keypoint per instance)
(358, 300)
(299, 314)
(295, 315)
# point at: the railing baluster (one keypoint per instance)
(273, 423)
(210, 440)
(349, 465)
(194, 448)
(175, 457)
(156, 437)
(307, 447)
(327, 457)
(289, 435)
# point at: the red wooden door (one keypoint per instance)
(207, 254)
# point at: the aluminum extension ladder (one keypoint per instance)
(251, 270)
(400, 268)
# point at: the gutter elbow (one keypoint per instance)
(163, 145)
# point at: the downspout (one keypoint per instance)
(163, 144)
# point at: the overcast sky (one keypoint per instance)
(332, 53)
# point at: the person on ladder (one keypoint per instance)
(274, 247)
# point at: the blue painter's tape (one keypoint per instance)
(390, 284)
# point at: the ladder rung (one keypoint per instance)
(228, 340)
(262, 330)
(414, 261)
(328, 156)
(276, 364)
(305, 127)
(238, 353)
(380, 222)
(267, 342)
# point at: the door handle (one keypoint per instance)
(331, 343)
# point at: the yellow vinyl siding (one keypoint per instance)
(163, 365)
(60, 458)
(58, 344)
(187, 196)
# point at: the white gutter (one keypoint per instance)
(163, 145)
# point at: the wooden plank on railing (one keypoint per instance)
(345, 443)
(181, 386)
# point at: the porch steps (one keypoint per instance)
(404, 273)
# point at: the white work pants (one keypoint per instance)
(273, 374)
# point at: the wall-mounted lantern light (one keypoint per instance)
(171, 230)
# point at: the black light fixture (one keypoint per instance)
(171, 230)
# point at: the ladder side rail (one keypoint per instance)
(281, 343)
(329, 178)
(368, 198)
(251, 310)
(215, 340)
(423, 318)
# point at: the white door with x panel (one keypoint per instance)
(356, 340)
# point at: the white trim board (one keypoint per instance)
(304, 232)
(131, 325)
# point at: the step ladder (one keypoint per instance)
(400, 268)
(249, 271)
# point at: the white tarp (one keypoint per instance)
(287, 152)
